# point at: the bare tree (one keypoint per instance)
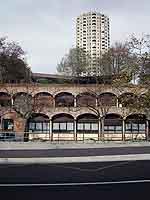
(140, 50)
(74, 63)
(114, 60)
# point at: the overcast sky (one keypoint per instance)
(46, 28)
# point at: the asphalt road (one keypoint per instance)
(73, 152)
(106, 192)
(76, 173)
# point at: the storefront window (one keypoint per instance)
(63, 123)
(135, 127)
(87, 126)
(94, 127)
(113, 124)
(63, 126)
(8, 125)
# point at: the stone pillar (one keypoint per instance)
(54, 102)
(50, 130)
(99, 129)
(96, 102)
(147, 130)
(102, 128)
(117, 103)
(75, 130)
(12, 101)
(75, 102)
(123, 130)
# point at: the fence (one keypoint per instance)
(21, 137)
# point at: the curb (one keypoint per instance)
(24, 146)
(86, 159)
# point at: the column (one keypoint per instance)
(102, 128)
(147, 130)
(96, 102)
(50, 130)
(54, 102)
(75, 130)
(117, 103)
(12, 101)
(99, 128)
(75, 102)
(123, 130)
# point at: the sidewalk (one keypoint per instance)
(68, 145)
(86, 159)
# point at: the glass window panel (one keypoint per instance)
(10, 125)
(70, 126)
(39, 131)
(80, 126)
(111, 128)
(142, 127)
(105, 128)
(62, 126)
(118, 128)
(94, 126)
(87, 126)
(55, 126)
(39, 126)
(45, 126)
(31, 126)
(128, 126)
(134, 126)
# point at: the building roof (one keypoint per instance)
(50, 76)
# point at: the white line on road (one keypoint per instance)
(85, 159)
(73, 184)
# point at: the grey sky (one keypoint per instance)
(46, 28)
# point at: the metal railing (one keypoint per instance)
(40, 137)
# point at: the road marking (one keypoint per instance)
(86, 159)
(73, 184)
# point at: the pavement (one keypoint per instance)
(74, 155)
(70, 145)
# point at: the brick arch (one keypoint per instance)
(74, 93)
(86, 98)
(43, 99)
(5, 99)
(62, 122)
(43, 94)
(39, 117)
(138, 116)
(113, 116)
(127, 98)
(87, 123)
(38, 124)
(113, 123)
(87, 116)
(107, 98)
(21, 94)
(136, 123)
(64, 99)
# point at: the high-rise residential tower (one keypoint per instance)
(93, 35)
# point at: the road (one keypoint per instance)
(116, 192)
(118, 176)
(74, 152)
(76, 173)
